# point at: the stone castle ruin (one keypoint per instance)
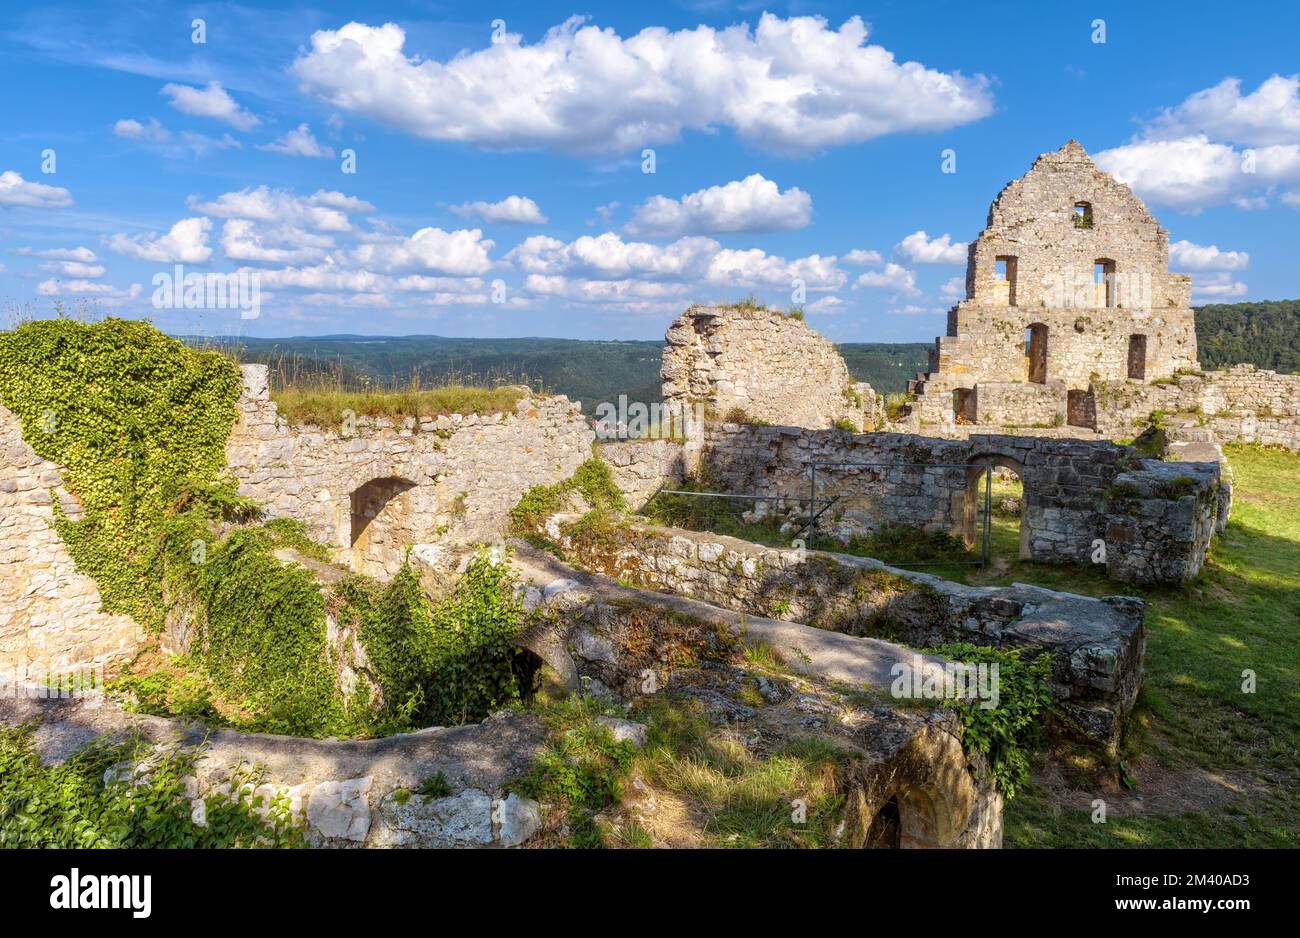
(1072, 326)
(1072, 334)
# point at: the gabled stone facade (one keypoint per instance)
(1068, 284)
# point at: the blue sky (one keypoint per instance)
(499, 185)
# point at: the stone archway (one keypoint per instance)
(973, 500)
(382, 525)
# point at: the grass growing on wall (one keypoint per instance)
(325, 406)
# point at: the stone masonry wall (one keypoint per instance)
(642, 467)
(1034, 269)
(931, 484)
(773, 367)
(1096, 645)
(373, 492)
(50, 616)
(1017, 404)
(1241, 404)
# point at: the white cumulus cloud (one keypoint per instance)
(895, 278)
(919, 248)
(512, 210)
(1217, 147)
(245, 240)
(323, 210)
(752, 204)
(213, 101)
(464, 252)
(1267, 116)
(1217, 287)
(860, 258)
(185, 243)
(299, 142)
(1184, 255)
(789, 85)
(15, 190)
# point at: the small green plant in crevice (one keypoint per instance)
(1008, 733)
(593, 480)
(582, 769)
(847, 425)
(70, 805)
(433, 787)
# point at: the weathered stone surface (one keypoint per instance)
(768, 365)
(341, 809)
(51, 621)
(516, 819)
(460, 820)
(1097, 645)
(625, 730)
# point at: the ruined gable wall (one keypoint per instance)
(774, 368)
(1032, 219)
(1050, 283)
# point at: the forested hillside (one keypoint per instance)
(1266, 334)
(588, 371)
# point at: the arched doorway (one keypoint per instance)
(996, 502)
(381, 526)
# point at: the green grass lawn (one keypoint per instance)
(1207, 764)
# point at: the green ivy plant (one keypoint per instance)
(139, 422)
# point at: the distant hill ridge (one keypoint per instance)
(1266, 334)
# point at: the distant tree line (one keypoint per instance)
(1265, 334)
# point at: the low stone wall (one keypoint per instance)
(1241, 404)
(50, 616)
(351, 793)
(932, 484)
(612, 639)
(375, 490)
(1097, 645)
